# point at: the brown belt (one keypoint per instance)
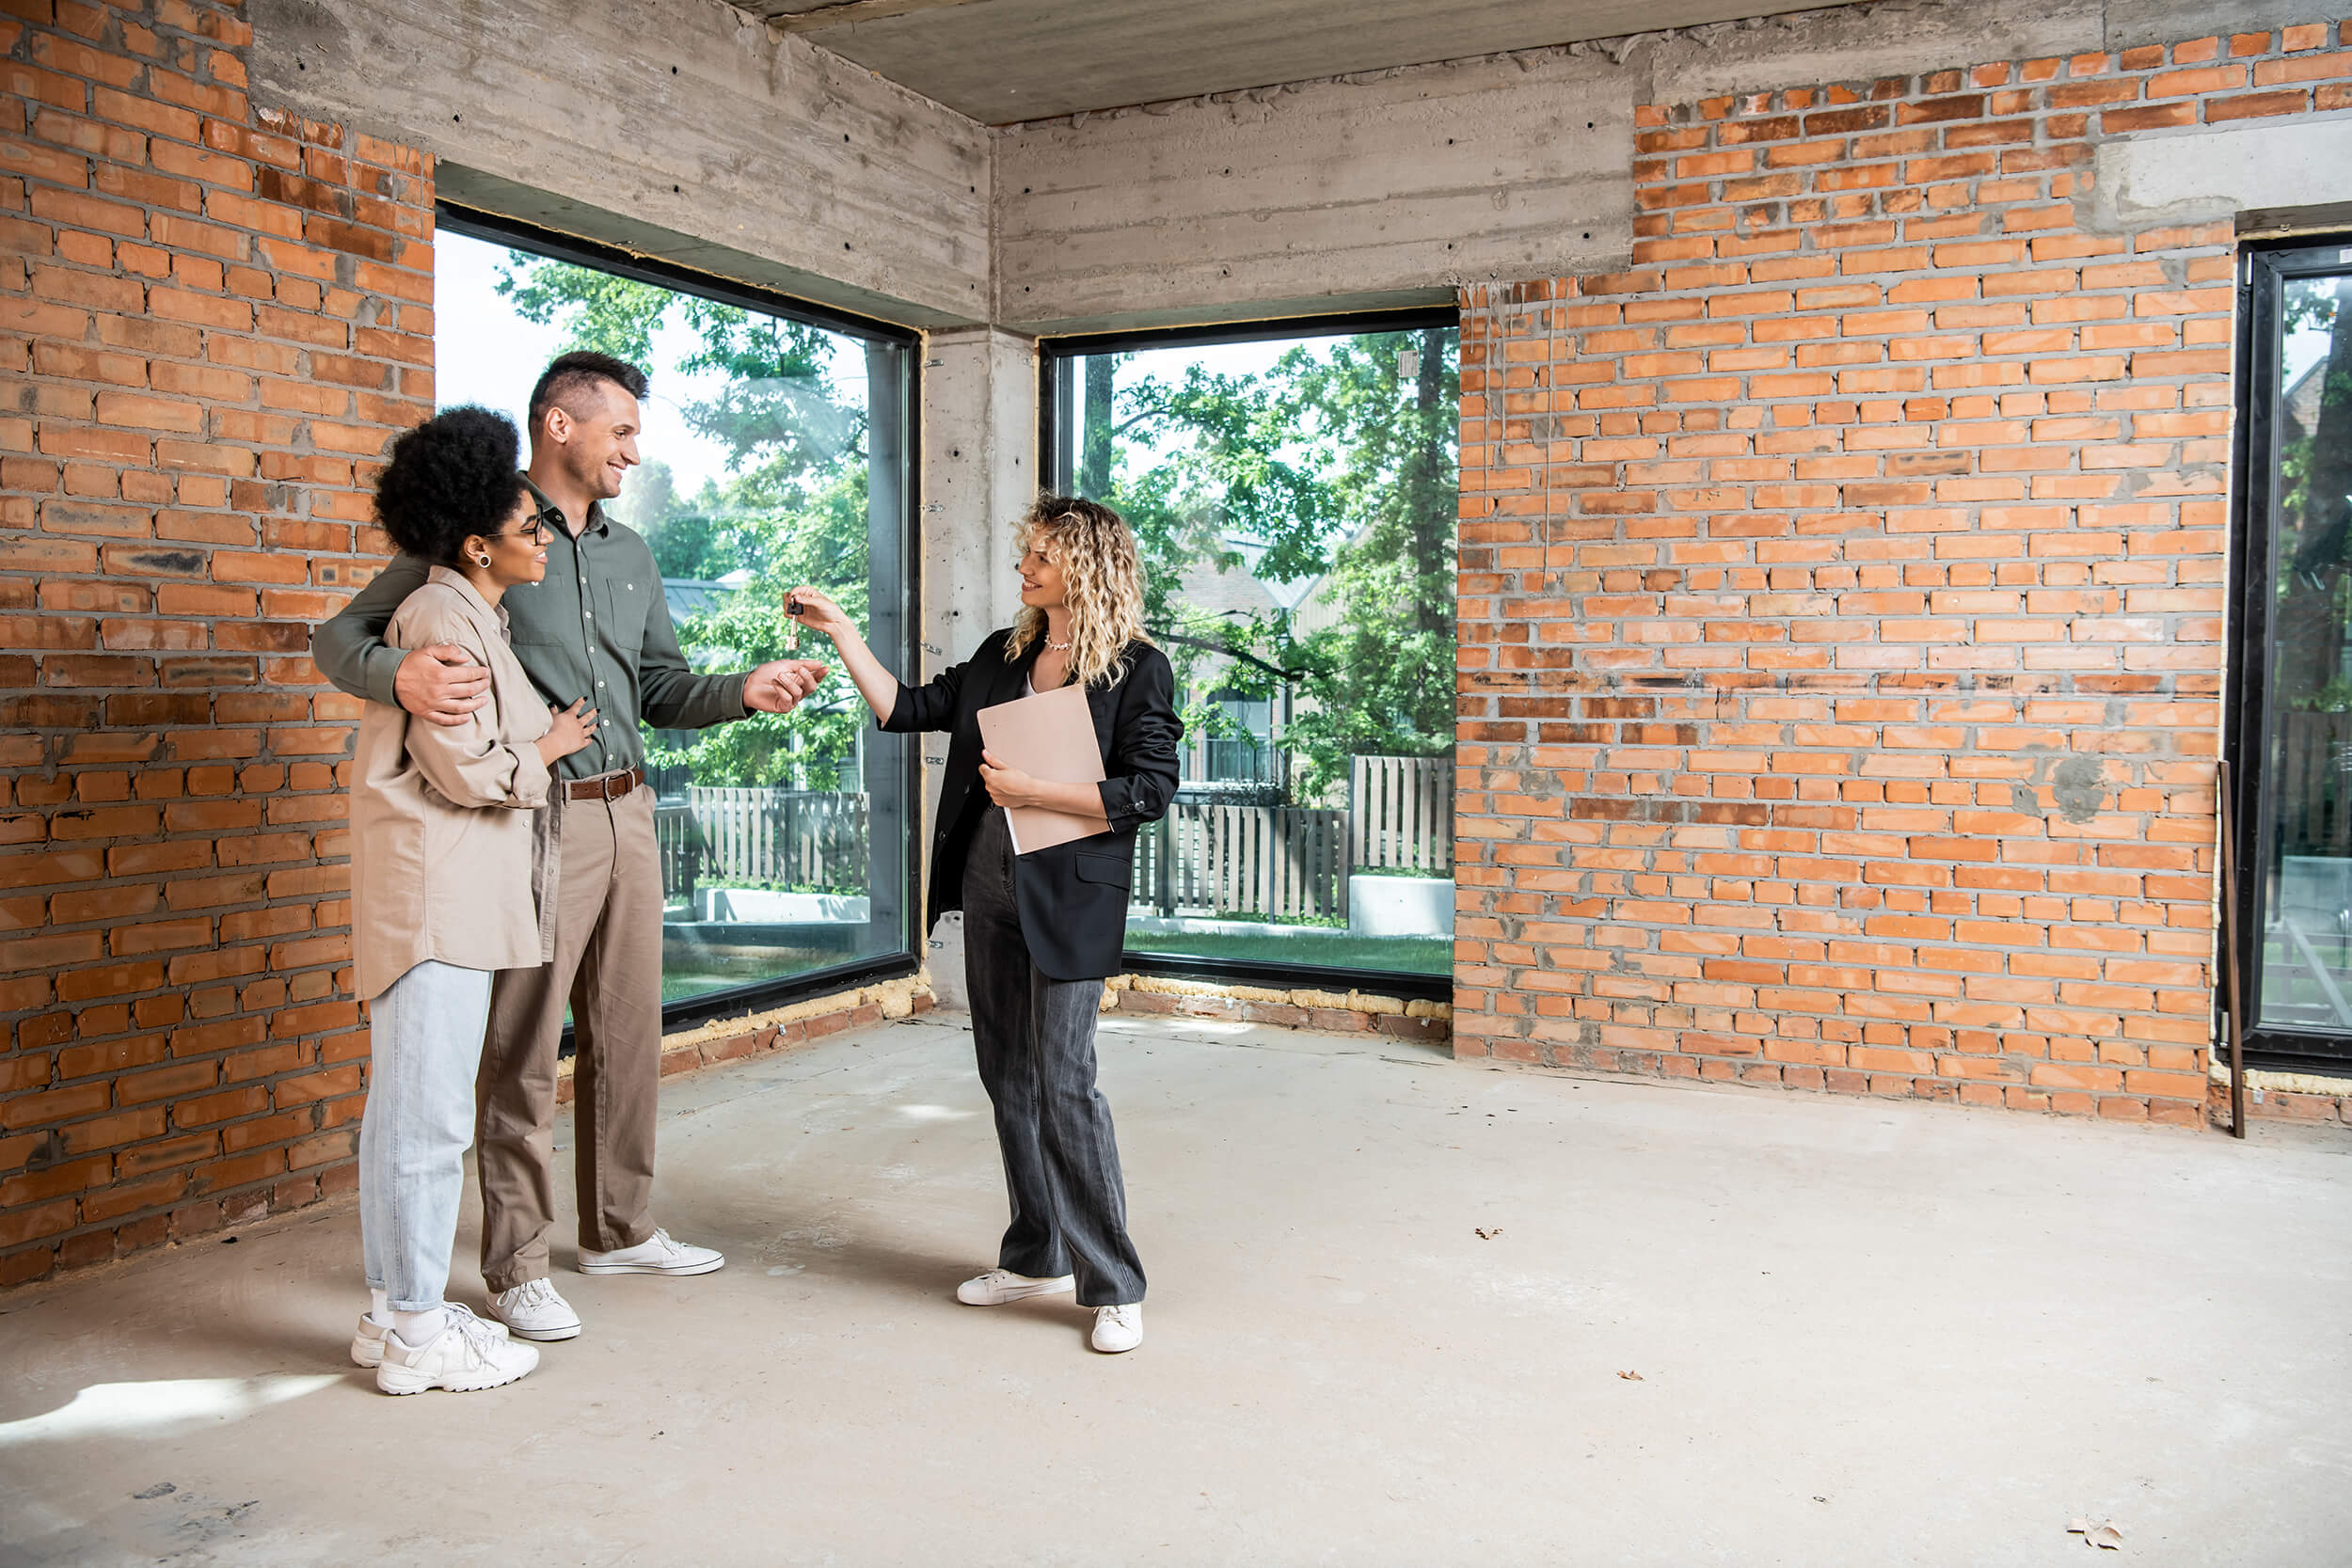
(606, 787)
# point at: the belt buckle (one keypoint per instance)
(614, 787)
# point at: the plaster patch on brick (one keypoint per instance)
(2144, 182)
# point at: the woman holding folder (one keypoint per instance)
(1043, 929)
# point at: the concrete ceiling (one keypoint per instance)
(1005, 60)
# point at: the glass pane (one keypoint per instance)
(2307, 946)
(774, 456)
(1294, 500)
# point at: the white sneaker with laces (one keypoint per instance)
(466, 1355)
(1119, 1328)
(999, 1286)
(367, 1341)
(534, 1311)
(655, 1254)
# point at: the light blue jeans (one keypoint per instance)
(424, 1042)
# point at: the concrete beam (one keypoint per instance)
(1334, 195)
(679, 128)
(979, 474)
(2132, 23)
(1397, 186)
(2206, 174)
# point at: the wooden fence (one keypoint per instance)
(792, 837)
(1267, 862)
(1401, 814)
(1279, 862)
(2313, 787)
(680, 849)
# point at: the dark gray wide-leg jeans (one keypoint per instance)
(1035, 1040)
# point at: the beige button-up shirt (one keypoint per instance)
(442, 862)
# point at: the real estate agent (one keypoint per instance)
(1042, 930)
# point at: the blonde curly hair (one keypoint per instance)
(1102, 577)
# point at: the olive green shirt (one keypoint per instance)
(599, 627)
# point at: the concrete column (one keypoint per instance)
(979, 473)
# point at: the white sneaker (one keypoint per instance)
(367, 1341)
(1119, 1328)
(466, 1354)
(534, 1311)
(999, 1286)
(655, 1254)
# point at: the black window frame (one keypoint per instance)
(1056, 404)
(2264, 266)
(762, 995)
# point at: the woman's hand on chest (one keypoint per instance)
(1051, 671)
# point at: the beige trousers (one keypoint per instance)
(608, 967)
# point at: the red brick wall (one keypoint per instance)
(211, 320)
(1843, 599)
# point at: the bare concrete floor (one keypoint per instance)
(1397, 1308)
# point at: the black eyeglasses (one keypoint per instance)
(536, 530)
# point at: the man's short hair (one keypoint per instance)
(568, 374)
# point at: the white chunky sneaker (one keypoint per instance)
(466, 1354)
(999, 1286)
(655, 1254)
(534, 1311)
(367, 1341)
(1119, 1328)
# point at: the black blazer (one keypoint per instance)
(1072, 897)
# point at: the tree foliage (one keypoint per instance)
(1334, 467)
(1336, 462)
(2314, 506)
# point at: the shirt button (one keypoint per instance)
(587, 615)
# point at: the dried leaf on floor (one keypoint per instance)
(1630, 1377)
(2101, 1533)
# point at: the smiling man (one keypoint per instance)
(597, 626)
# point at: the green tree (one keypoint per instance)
(1338, 463)
(1382, 678)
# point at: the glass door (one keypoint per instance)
(2292, 674)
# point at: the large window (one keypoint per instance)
(1296, 499)
(2292, 675)
(777, 452)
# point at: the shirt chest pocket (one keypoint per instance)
(620, 605)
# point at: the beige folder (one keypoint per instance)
(1050, 735)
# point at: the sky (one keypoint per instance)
(489, 356)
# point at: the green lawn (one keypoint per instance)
(1308, 944)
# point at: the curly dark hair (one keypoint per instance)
(452, 476)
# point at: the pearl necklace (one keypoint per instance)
(1052, 646)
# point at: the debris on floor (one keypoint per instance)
(2101, 1533)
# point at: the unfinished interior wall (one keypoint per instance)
(212, 319)
(1395, 186)
(1798, 385)
(1842, 594)
(683, 128)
